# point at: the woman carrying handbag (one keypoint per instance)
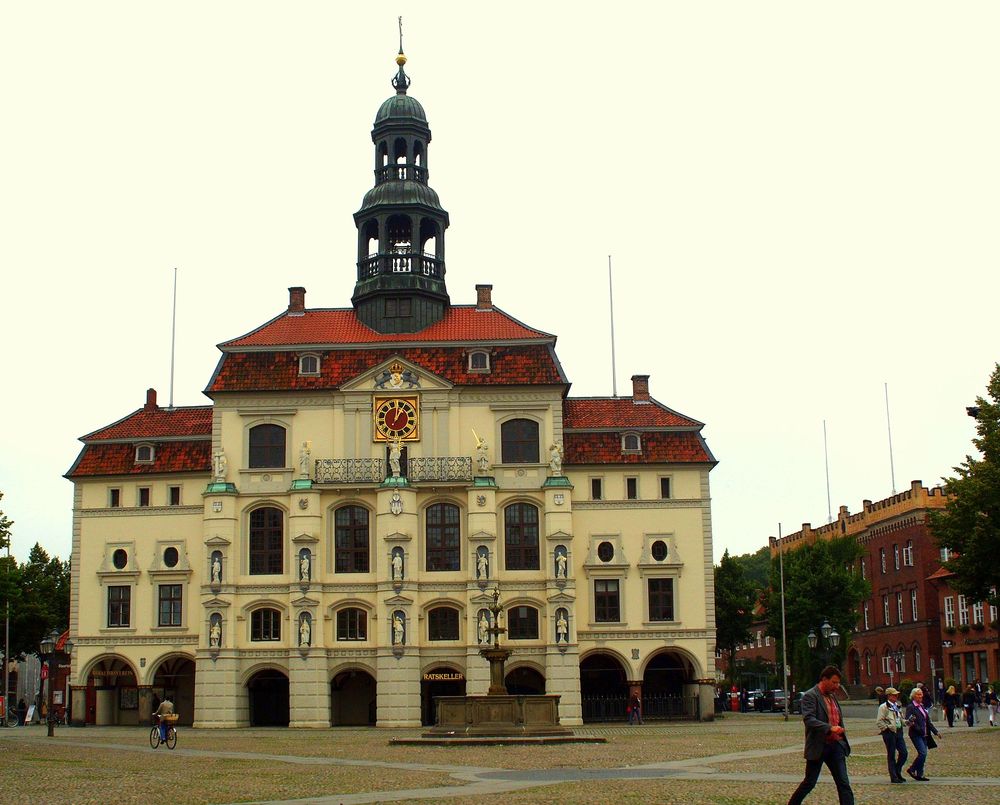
(921, 733)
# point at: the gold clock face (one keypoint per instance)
(396, 418)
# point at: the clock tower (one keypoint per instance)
(401, 223)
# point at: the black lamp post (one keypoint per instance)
(831, 640)
(48, 651)
(895, 659)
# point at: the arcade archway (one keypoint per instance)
(267, 693)
(668, 687)
(112, 696)
(603, 688)
(352, 699)
(440, 681)
(174, 679)
(525, 681)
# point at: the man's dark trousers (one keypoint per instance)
(895, 750)
(836, 761)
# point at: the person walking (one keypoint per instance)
(921, 730)
(634, 710)
(969, 705)
(950, 700)
(825, 740)
(890, 726)
(992, 702)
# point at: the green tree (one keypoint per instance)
(756, 567)
(734, 602)
(822, 582)
(6, 527)
(43, 602)
(969, 525)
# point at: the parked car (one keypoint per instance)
(753, 696)
(796, 704)
(771, 701)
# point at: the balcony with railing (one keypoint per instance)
(420, 263)
(454, 469)
(413, 173)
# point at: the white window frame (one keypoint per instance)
(482, 353)
(638, 442)
(885, 609)
(908, 553)
(145, 446)
(977, 612)
(899, 607)
(886, 660)
(866, 611)
(901, 665)
(881, 554)
(600, 481)
(864, 571)
(945, 554)
(310, 356)
(963, 611)
(949, 611)
(913, 603)
(895, 556)
(916, 658)
(632, 478)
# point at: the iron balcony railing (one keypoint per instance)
(426, 265)
(373, 470)
(416, 173)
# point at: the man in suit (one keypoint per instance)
(826, 741)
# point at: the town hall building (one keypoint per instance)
(320, 544)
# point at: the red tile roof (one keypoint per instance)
(622, 412)
(941, 573)
(463, 323)
(153, 423)
(657, 448)
(119, 459)
(527, 364)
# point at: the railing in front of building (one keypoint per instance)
(655, 707)
(426, 265)
(373, 470)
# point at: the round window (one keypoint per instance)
(119, 558)
(605, 551)
(170, 557)
(659, 550)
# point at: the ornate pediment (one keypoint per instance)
(215, 603)
(215, 541)
(396, 374)
(304, 601)
(305, 539)
(483, 536)
(560, 536)
(398, 601)
(396, 536)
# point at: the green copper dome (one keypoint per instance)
(401, 106)
(400, 192)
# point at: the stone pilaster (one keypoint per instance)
(308, 690)
(398, 698)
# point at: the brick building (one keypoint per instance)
(969, 634)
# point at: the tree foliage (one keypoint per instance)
(734, 602)
(969, 525)
(822, 582)
(756, 568)
(6, 526)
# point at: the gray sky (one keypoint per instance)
(800, 200)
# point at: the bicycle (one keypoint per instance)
(9, 720)
(154, 734)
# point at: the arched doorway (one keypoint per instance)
(174, 679)
(352, 699)
(663, 687)
(267, 692)
(112, 693)
(525, 681)
(603, 688)
(440, 681)
(854, 666)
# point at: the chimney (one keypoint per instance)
(150, 400)
(296, 301)
(484, 297)
(640, 388)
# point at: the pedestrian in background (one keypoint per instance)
(921, 733)
(969, 705)
(950, 700)
(890, 725)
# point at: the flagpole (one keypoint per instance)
(611, 304)
(784, 637)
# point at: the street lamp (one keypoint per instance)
(895, 658)
(830, 637)
(48, 650)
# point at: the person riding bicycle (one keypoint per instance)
(166, 708)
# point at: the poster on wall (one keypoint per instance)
(128, 698)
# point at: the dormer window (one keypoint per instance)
(309, 365)
(479, 361)
(631, 443)
(144, 454)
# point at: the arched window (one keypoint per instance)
(444, 534)
(631, 443)
(521, 536)
(522, 623)
(351, 539)
(519, 441)
(266, 541)
(352, 624)
(267, 446)
(265, 624)
(442, 624)
(309, 365)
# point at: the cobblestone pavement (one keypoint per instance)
(744, 760)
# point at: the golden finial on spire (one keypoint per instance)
(401, 58)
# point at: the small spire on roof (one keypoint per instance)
(401, 80)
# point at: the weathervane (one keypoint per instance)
(400, 34)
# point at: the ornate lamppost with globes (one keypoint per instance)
(48, 651)
(831, 639)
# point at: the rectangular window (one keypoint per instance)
(522, 623)
(963, 612)
(352, 624)
(632, 488)
(916, 659)
(114, 498)
(949, 611)
(977, 612)
(885, 610)
(913, 603)
(661, 599)
(945, 554)
(174, 496)
(607, 608)
(143, 495)
(901, 665)
(886, 664)
(881, 554)
(767, 640)
(119, 606)
(664, 488)
(908, 553)
(864, 569)
(170, 605)
(866, 616)
(596, 489)
(993, 609)
(895, 556)
(899, 607)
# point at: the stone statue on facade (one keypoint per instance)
(305, 453)
(215, 635)
(482, 565)
(561, 565)
(555, 458)
(219, 465)
(484, 628)
(304, 563)
(305, 631)
(398, 629)
(395, 454)
(216, 570)
(397, 566)
(482, 453)
(562, 628)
